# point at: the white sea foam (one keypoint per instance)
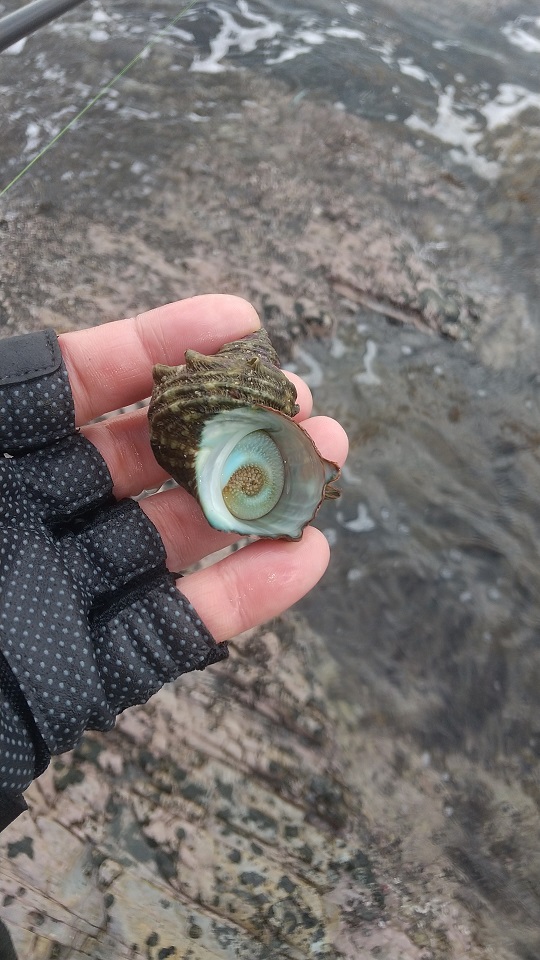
(313, 37)
(39, 132)
(135, 113)
(197, 118)
(315, 374)
(511, 100)
(350, 477)
(368, 376)
(362, 523)
(180, 34)
(290, 53)
(516, 32)
(99, 15)
(33, 136)
(411, 69)
(331, 535)
(385, 51)
(337, 348)
(233, 34)
(346, 33)
(445, 44)
(461, 129)
(98, 36)
(461, 126)
(55, 74)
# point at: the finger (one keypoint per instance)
(329, 437)
(124, 444)
(256, 583)
(184, 530)
(304, 398)
(186, 535)
(111, 366)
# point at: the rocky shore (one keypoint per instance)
(263, 810)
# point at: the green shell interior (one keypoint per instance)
(305, 472)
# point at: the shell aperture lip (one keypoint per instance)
(305, 473)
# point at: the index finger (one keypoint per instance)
(110, 366)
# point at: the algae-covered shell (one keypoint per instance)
(222, 427)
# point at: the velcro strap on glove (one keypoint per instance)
(36, 405)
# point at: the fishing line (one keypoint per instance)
(98, 96)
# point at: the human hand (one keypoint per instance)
(91, 619)
(111, 367)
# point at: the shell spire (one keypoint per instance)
(223, 427)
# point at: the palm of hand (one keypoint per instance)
(110, 367)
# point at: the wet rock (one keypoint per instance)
(230, 860)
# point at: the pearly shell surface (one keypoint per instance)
(222, 427)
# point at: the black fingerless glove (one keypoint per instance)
(91, 621)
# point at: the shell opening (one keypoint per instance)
(226, 453)
(253, 477)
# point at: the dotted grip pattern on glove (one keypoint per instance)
(91, 621)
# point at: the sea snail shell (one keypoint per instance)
(222, 427)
